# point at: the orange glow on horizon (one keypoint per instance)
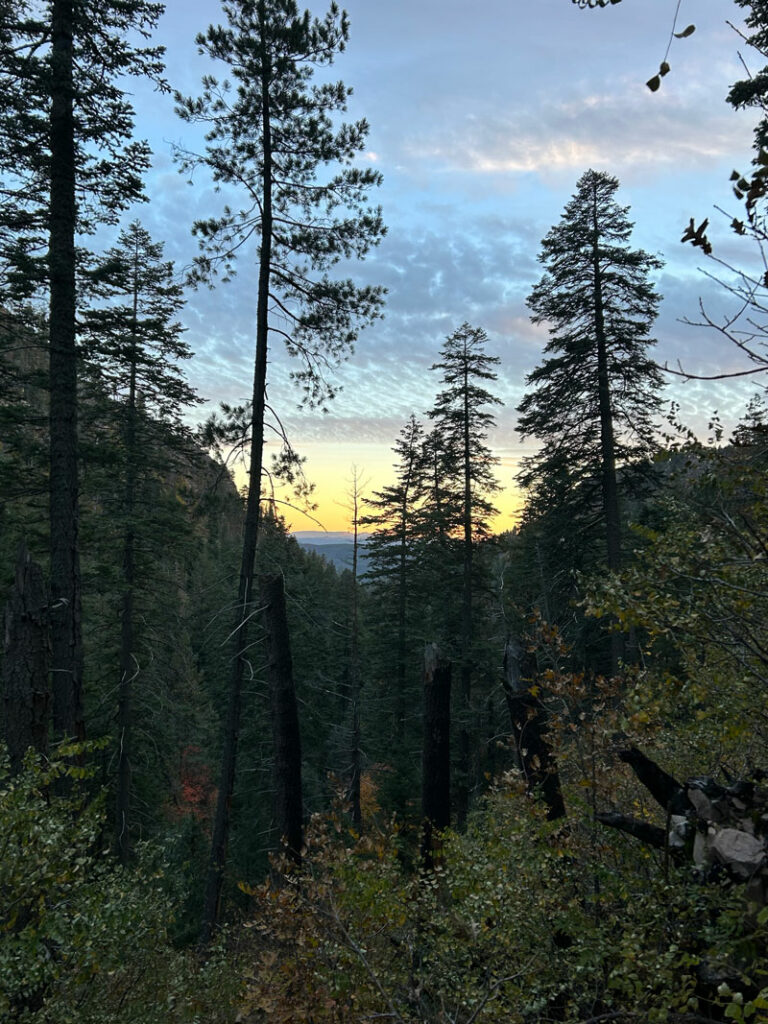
(330, 468)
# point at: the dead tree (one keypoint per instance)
(26, 661)
(529, 727)
(436, 758)
(720, 829)
(288, 805)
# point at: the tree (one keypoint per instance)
(270, 135)
(593, 401)
(436, 755)
(392, 549)
(65, 165)
(134, 343)
(462, 423)
(24, 669)
(288, 804)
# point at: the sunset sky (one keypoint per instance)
(483, 116)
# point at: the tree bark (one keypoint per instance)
(528, 718)
(67, 662)
(436, 758)
(288, 803)
(26, 661)
(244, 609)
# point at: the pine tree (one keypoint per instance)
(462, 423)
(271, 135)
(392, 549)
(133, 342)
(394, 552)
(66, 164)
(593, 401)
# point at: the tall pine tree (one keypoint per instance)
(593, 401)
(270, 135)
(134, 343)
(462, 422)
(67, 162)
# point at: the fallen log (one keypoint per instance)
(719, 829)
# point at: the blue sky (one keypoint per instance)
(483, 116)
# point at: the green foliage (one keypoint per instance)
(271, 132)
(109, 164)
(523, 922)
(595, 292)
(81, 938)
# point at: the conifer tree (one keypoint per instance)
(134, 342)
(66, 164)
(392, 549)
(462, 422)
(270, 135)
(593, 401)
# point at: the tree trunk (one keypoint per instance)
(288, 804)
(354, 664)
(127, 659)
(67, 661)
(528, 718)
(464, 780)
(610, 491)
(26, 661)
(436, 759)
(244, 609)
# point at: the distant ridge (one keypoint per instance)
(319, 537)
(335, 546)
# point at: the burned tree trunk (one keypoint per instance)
(436, 760)
(718, 828)
(529, 727)
(26, 661)
(288, 807)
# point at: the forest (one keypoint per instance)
(475, 776)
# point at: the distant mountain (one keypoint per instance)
(335, 547)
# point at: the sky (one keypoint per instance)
(482, 118)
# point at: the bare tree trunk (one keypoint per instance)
(26, 661)
(67, 663)
(288, 803)
(528, 718)
(436, 759)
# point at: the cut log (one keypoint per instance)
(664, 789)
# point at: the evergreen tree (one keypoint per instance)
(271, 135)
(395, 551)
(392, 549)
(65, 164)
(593, 401)
(462, 423)
(134, 342)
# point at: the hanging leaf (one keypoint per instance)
(686, 32)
